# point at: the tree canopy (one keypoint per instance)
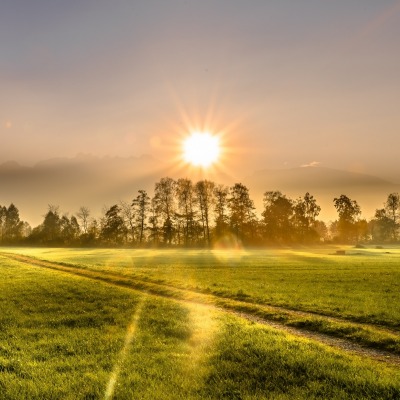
(184, 213)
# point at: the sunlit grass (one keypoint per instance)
(362, 286)
(63, 337)
(255, 362)
(68, 337)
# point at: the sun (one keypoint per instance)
(201, 149)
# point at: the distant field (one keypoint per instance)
(67, 335)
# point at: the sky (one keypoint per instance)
(284, 83)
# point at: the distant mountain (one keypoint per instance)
(324, 184)
(85, 180)
(10, 165)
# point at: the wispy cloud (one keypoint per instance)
(311, 164)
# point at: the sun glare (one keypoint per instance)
(201, 149)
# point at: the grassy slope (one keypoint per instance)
(64, 337)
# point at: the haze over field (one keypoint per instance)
(97, 182)
(279, 85)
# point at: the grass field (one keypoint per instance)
(64, 334)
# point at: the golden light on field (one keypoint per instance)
(129, 338)
(201, 149)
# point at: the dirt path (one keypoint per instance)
(334, 342)
(137, 283)
(214, 302)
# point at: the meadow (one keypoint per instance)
(173, 324)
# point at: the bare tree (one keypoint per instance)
(128, 215)
(205, 198)
(83, 215)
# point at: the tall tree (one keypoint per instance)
(322, 230)
(3, 215)
(83, 215)
(392, 207)
(113, 229)
(128, 215)
(348, 211)
(205, 198)
(164, 201)
(13, 224)
(277, 217)
(221, 210)
(26, 229)
(69, 229)
(154, 223)
(242, 217)
(362, 230)
(381, 226)
(185, 200)
(141, 206)
(51, 226)
(93, 232)
(306, 211)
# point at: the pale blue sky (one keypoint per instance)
(289, 82)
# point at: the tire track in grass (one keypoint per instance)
(160, 287)
(332, 341)
(276, 317)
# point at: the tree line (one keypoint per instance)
(203, 214)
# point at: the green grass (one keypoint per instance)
(255, 363)
(363, 286)
(69, 337)
(361, 289)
